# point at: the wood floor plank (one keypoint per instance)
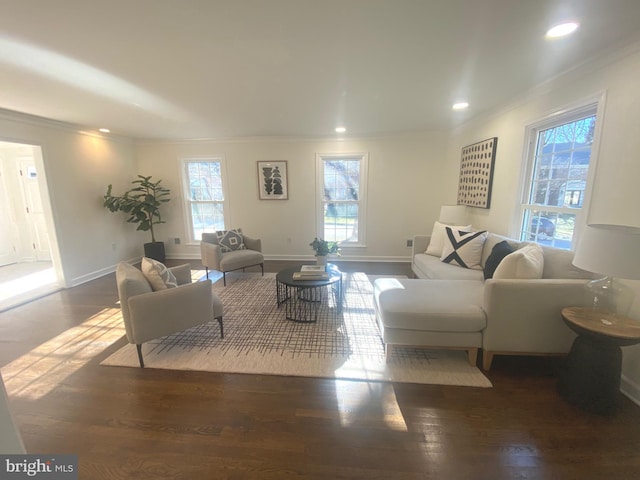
(157, 424)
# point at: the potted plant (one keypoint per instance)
(324, 248)
(142, 204)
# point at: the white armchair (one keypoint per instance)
(149, 314)
(213, 257)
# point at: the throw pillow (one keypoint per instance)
(463, 248)
(498, 252)
(157, 274)
(526, 262)
(230, 240)
(437, 238)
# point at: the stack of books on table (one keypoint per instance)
(311, 272)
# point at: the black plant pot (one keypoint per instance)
(155, 250)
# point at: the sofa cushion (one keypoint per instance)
(430, 267)
(499, 251)
(492, 240)
(230, 240)
(558, 264)
(463, 248)
(430, 305)
(437, 238)
(157, 274)
(525, 263)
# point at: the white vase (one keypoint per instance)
(321, 259)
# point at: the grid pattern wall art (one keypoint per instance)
(476, 173)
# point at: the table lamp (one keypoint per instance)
(453, 215)
(613, 251)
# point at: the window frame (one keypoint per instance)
(592, 106)
(186, 188)
(363, 158)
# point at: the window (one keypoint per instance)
(557, 177)
(204, 194)
(342, 183)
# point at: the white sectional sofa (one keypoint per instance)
(448, 306)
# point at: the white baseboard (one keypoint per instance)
(630, 389)
(100, 273)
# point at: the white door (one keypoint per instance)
(8, 228)
(34, 211)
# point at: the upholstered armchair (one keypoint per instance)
(218, 256)
(149, 314)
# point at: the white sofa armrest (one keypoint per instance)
(420, 244)
(524, 315)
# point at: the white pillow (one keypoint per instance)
(437, 237)
(157, 274)
(463, 248)
(526, 262)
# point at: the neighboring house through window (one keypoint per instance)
(560, 165)
(342, 180)
(205, 202)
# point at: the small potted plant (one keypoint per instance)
(324, 248)
(142, 204)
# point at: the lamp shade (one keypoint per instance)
(453, 214)
(612, 250)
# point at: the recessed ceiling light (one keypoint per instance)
(562, 29)
(460, 105)
(341, 129)
(104, 130)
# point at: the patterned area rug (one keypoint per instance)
(260, 340)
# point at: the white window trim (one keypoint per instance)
(362, 194)
(186, 202)
(566, 114)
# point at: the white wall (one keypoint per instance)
(404, 191)
(615, 193)
(78, 167)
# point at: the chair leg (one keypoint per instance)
(224, 278)
(139, 348)
(262, 267)
(221, 327)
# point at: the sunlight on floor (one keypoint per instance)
(38, 372)
(27, 283)
(364, 402)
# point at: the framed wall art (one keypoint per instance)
(476, 173)
(272, 180)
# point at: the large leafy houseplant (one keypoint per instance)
(142, 204)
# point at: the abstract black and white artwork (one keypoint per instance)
(476, 173)
(272, 180)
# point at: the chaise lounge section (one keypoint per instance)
(448, 306)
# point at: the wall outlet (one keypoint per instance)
(176, 241)
(113, 247)
(410, 242)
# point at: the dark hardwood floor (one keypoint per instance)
(144, 423)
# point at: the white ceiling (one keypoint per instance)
(230, 68)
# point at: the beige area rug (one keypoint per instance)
(260, 340)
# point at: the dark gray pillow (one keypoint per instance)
(499, 251)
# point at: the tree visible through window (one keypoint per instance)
(342, 185)
(559, 174)
(205, 196)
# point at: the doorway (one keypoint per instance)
(26, 267)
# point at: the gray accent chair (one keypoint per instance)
(149, 314)
(214, 258)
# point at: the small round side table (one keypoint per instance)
(591, 378)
